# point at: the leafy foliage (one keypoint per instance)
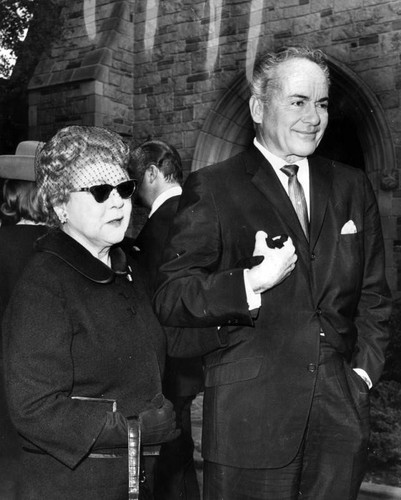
(392, 369)
(14, 21)
(42, 20)
(385, 437)
(385, 440)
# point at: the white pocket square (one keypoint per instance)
(349, 228)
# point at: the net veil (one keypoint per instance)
(76, 157)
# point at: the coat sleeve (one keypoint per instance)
(39, 373)
(374, 306)
(194, 287)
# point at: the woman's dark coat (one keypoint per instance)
(76, 328)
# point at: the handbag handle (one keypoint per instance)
(134, 447)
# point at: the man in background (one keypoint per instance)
(157, 167)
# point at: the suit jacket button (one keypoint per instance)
(312, 367)
(312, 256)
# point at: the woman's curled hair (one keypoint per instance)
(20, 201)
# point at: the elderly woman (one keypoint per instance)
(83, 349)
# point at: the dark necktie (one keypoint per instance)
(297, 196)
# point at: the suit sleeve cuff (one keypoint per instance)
(254, 300)
(364, 376)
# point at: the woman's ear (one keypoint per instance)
(61, 213)
(256, 109)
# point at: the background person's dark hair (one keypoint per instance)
(20, 201)
(155, 152)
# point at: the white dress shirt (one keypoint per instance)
(173, 191)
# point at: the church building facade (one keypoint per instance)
(178, 70)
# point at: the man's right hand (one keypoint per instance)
(277, 265)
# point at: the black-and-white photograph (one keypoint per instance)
(200, 249)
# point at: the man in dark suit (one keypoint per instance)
(157, 167)
(286, 404)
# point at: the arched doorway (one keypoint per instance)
(357, 133)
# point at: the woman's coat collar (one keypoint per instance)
(79, 258)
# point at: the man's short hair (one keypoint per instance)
(264, 80)
(159, 153)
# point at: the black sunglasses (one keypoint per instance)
(101, 192)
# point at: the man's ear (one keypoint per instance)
(152, 172)
(256, 109)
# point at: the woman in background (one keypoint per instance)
(21, 225)
(22, 221)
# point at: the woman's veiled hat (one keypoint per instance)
(21, 165)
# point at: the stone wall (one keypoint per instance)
(187, 60)
(87, 79)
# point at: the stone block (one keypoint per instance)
(38, 81)
(369, 39)
(98, 56)
(389, 99)
(295, 12)
(307, 24)
(96, 72)
(189, 139)
(114, 78)
(198, 77)
(396, 207)
(377, 79)
(389, 227)
(126, 85)
(394, 120)
(385, 205)
(282, 34)
(341, 5)
(338, 20)
(187, 115)
(288, 3)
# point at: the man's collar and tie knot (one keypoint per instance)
(297, 196)
(290, 170)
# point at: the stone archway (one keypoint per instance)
(228, 128)
(358, 133)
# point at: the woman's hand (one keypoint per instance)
(158, 422)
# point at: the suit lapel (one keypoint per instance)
(320, 178)
(265, 180)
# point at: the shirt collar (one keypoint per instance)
(277, 162)
(173, 191)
